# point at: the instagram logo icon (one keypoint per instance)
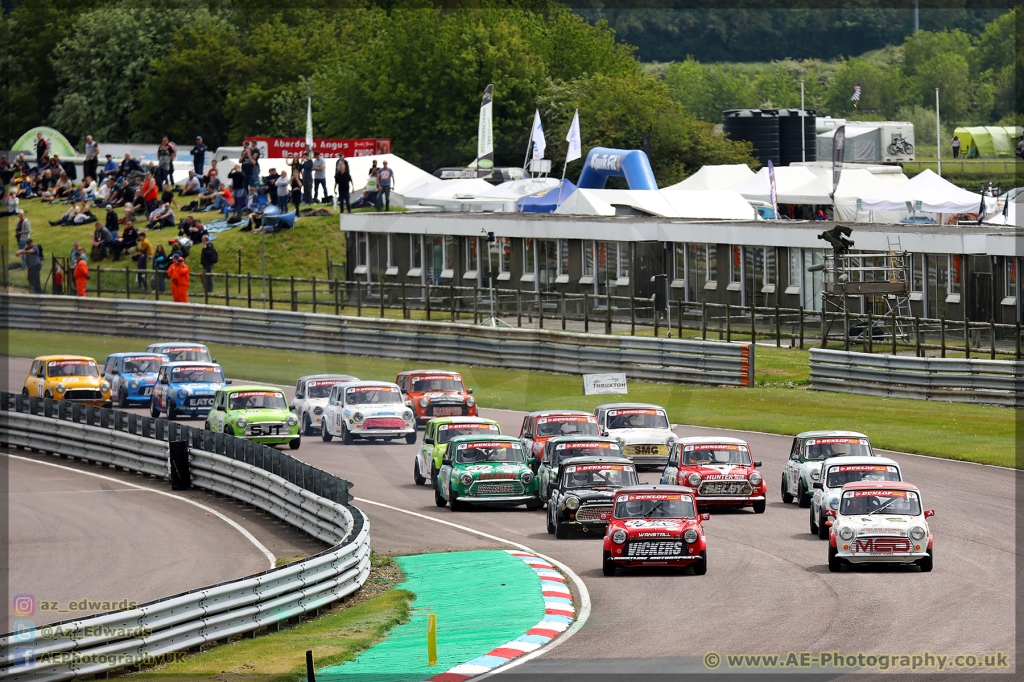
(24, 604)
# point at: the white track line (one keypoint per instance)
(581, 618)
(248, 536)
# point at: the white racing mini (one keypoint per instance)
(880, 523)
(643, 431)
(368, 410)
(311, 395)
(838, 471)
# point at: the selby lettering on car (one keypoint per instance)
(587, 446)
(637, 497)
(837, 441)
(715, 447)
(489, 444)
(875, 493)
(594, 467)
(460, 427)
(880, 545)
(567, 418)
(862, 467)
(620, 413)
(370, 389)
(62, 363)
(250, 394)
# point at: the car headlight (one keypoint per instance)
(470, 401)
(815, 475)
(408, 415)
(917, 532)
(134, 383)
(693, 479)
(619, 536)
(292, 420)
(318, 411)
(526, 477)
(755, 478)
(182, 394)
(572, 502)
(105, 386)
(834, 503)
(61, 388)
(240, 421)
(466, 479)
(846, 533)
(357, 417)
(690, 536)
(424, 401)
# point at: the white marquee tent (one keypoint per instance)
(929, 193)
(722, 176)
(665, 203)
(787, 178)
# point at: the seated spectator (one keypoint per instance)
(192, 185)
(102, 240)
(207, 196)
(61, 189)
(89, 189)
(161, 217)
(129, 166)
(129, 238)
(129, 215)
(10, 203)
(210, 174)
(78, 214)
(167, 195)
(104, 191)
(109, 168)
(193, 229)
(225, 199)
(23, 183)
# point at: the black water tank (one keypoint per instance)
(789, 136)
(758, 126)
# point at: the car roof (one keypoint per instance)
(251, 387)
(705, 440)
(462, 420)
(368, 382)
(577, 437)
(429, 371)
(484, 436)
(133, 352)
(346, 377)
(594, 459)
(827, 434)
(655, 488)
(859, 459)
(47, 358)
(616, 406)
(191, 363)
(550, 413)
(177, 343)
(880, 485)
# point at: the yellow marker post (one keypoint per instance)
(431, 639)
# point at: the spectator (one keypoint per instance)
(111, 222)
(81, 273)
(58, 279)
(245, 162)
(192, 229)
(161, 217)
(956, 146)
(42, 149)
(385, 180)
(129, 215)
(223, 201)
(101, 241)
(192, 185)
(210, 173)
(12, 203)
(129, 166)
(281, 184)
(166, 154)
(103, 193)
(33, 256)
(129, 238)
(296, 185)
(179, 274)
(272, 186)
(61, 189)
(22, 233)
(76, 252)
(208, 258)
(254, 172)
(373, 168)
(369, 197)
(199, 155)
(167, 196)
(343, 185)
(210, 192)
(143, 252)
(110, 168)
(89, 189)
(150, 193)
(92, 157)
(319, 176)
(78, 214)
(307, 181)
(238, 180)
(160, 264)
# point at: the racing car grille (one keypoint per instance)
(657, 549)
(592, 512)
(266, 429)
(83, 394)
(507, 487)
(730, 487)
(443, 410)
(383, 423)
(642, 451)
(198, 401)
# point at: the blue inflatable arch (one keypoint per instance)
(603, 163)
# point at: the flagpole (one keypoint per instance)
(560, 183)
(938, 134)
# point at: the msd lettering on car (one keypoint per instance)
(655, 526)
(719, 471)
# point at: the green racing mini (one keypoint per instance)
(257, 413)
(436, 435)
(810, 449)
(486, 470)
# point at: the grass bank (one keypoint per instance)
(974, 433)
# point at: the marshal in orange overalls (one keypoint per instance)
(81, 274)
(179, 274)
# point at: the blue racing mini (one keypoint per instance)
(186, 388)
(132, 376)
(180, 351)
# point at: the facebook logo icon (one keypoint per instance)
(24, 656)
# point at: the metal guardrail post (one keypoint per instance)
(918, 351)
(426, 300)
(942, 335)
(778, 327)
(655, 316)
(99, 280)
(704, 320)
(894, 331)
(563, 309)
(383, 296)
(728, 322)
(1017, 342)
(476, 304)
(967, 337)
(294, 300)
(824, 327)
(270, 292)
(540, 309)
(405, 304)
(632, 315)
(314, 294)
(801, 327)
(753, 325)
(992, 330)
(359, 298)
(871, 332)
(227, 289)
(519, 307)
(608, 310)
(846, 330)
(451, 300)
(586, 312)
(679, 319)
(337, 298)
(127, 285)
(206, 288)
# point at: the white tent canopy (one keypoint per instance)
(721, 176)
(447, 189)
(665, 203)
(407, 176)
(787, 178)
(934, 195)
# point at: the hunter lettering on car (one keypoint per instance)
(719, 471)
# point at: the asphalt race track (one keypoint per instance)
(768, 589)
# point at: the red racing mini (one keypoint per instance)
(719, 470)
(655, 525)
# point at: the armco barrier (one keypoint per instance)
(996, 382)
(307, 498)
(674, 360)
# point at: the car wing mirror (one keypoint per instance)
(928, 513)
(705, 516)
(214, 360)
(758, 464)
(816, 485)
(469, 391)
(428, 441)
(446, 462)
(227, 381)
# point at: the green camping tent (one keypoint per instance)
(989, 140)
(59, 144)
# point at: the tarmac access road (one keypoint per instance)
(768, 589)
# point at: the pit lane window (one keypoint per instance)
(839, 476)
(72, 368)
(676, 507)
(902, 502)
(637, 419)
(704, 455)
(254, 400)
(424, 384)
(468, 454)
(141, 365)
(196, 375)
(591, 476)
(823, 448)
(448, 431)
(372, 395)
(548, 426)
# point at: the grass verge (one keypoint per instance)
(974, 433)
(334, 638)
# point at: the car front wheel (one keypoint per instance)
(608, 566)
(814, 522)
(802, 498)
(307, 426)
(926, 563)
(835, 564)
(551, 525)
(561, 529)
(760, 506)
(438, 499)
(294, 443)
(410, 438)
(122, 398)
(172, 411)
(822, 528)
(701, 567)
(786, 497)
(154, 411)
(346, 437)
(325, 435)
(453, 501)
(417, 478)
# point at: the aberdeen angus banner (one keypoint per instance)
(285, 147)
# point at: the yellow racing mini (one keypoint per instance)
(75, 378)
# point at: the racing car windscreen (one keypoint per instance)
(372, 395)
(140, 364)
(895, 502)
(654, 506)
(637, 418)
(256, 400)
(322, 389)
(708, 454)
(598, 476)
(197, 375)
(566, 426)
(488, 451)
(823, 448)
(586, 449)
(425, 384)
(72, 368)
(188, 354)
(838, 476)
(445, 432)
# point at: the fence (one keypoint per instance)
(997, 382)
(794, 327)
(658, 359)
(305, 497)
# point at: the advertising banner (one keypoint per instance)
(286, 147)
(604, 384)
